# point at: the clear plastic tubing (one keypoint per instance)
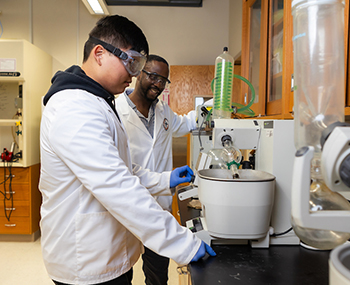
(318, 42)
(223, 85)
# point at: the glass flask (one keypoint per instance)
(228, 157)
(318, 44)
(321, 199)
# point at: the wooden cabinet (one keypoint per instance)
(267, 60)
(254, 52)
(20, 113)
(267, 56)
(20, 203)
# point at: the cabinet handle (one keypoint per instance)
(10, 225)
(10, 209)
(11, 192)
(11, 176)
(292, 83)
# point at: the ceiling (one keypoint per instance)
(174, 3)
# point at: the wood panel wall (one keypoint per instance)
(187, 81)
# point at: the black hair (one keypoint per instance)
(154, 57)
(119, 32)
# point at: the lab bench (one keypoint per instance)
(241, 264)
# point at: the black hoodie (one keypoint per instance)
(75, 78)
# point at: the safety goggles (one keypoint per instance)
(131, 59)
(157, 78)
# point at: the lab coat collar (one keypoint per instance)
(129, 114)
(124, 110)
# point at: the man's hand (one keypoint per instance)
(180, 175)
(203, 249)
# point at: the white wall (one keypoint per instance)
(235, 27)
(184, 36)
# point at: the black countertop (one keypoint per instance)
(241, 264)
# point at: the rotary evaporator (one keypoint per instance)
(242, 204)
(320, 211)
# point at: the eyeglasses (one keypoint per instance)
(131, 59)
(157, 78)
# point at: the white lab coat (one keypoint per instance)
(154, 153)
(95, 213)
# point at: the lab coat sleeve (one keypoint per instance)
(82, 137)
(158, 184)
(183, 124)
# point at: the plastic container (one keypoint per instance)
(318, 42)
(223, 82)
(236, 208)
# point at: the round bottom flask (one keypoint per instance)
(322, 198)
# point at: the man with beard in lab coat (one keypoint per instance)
(151, 124)
(95, 213)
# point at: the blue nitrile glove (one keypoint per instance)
(180, 175)
(202, 250)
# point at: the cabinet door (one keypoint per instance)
(268, 63)
(275, 57)
(254, 52)
(280, 58)
(347, 56)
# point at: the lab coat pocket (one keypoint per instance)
(100, 241)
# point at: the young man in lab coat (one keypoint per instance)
(95, 213)
(151, 124)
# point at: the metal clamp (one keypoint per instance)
(183, 270)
